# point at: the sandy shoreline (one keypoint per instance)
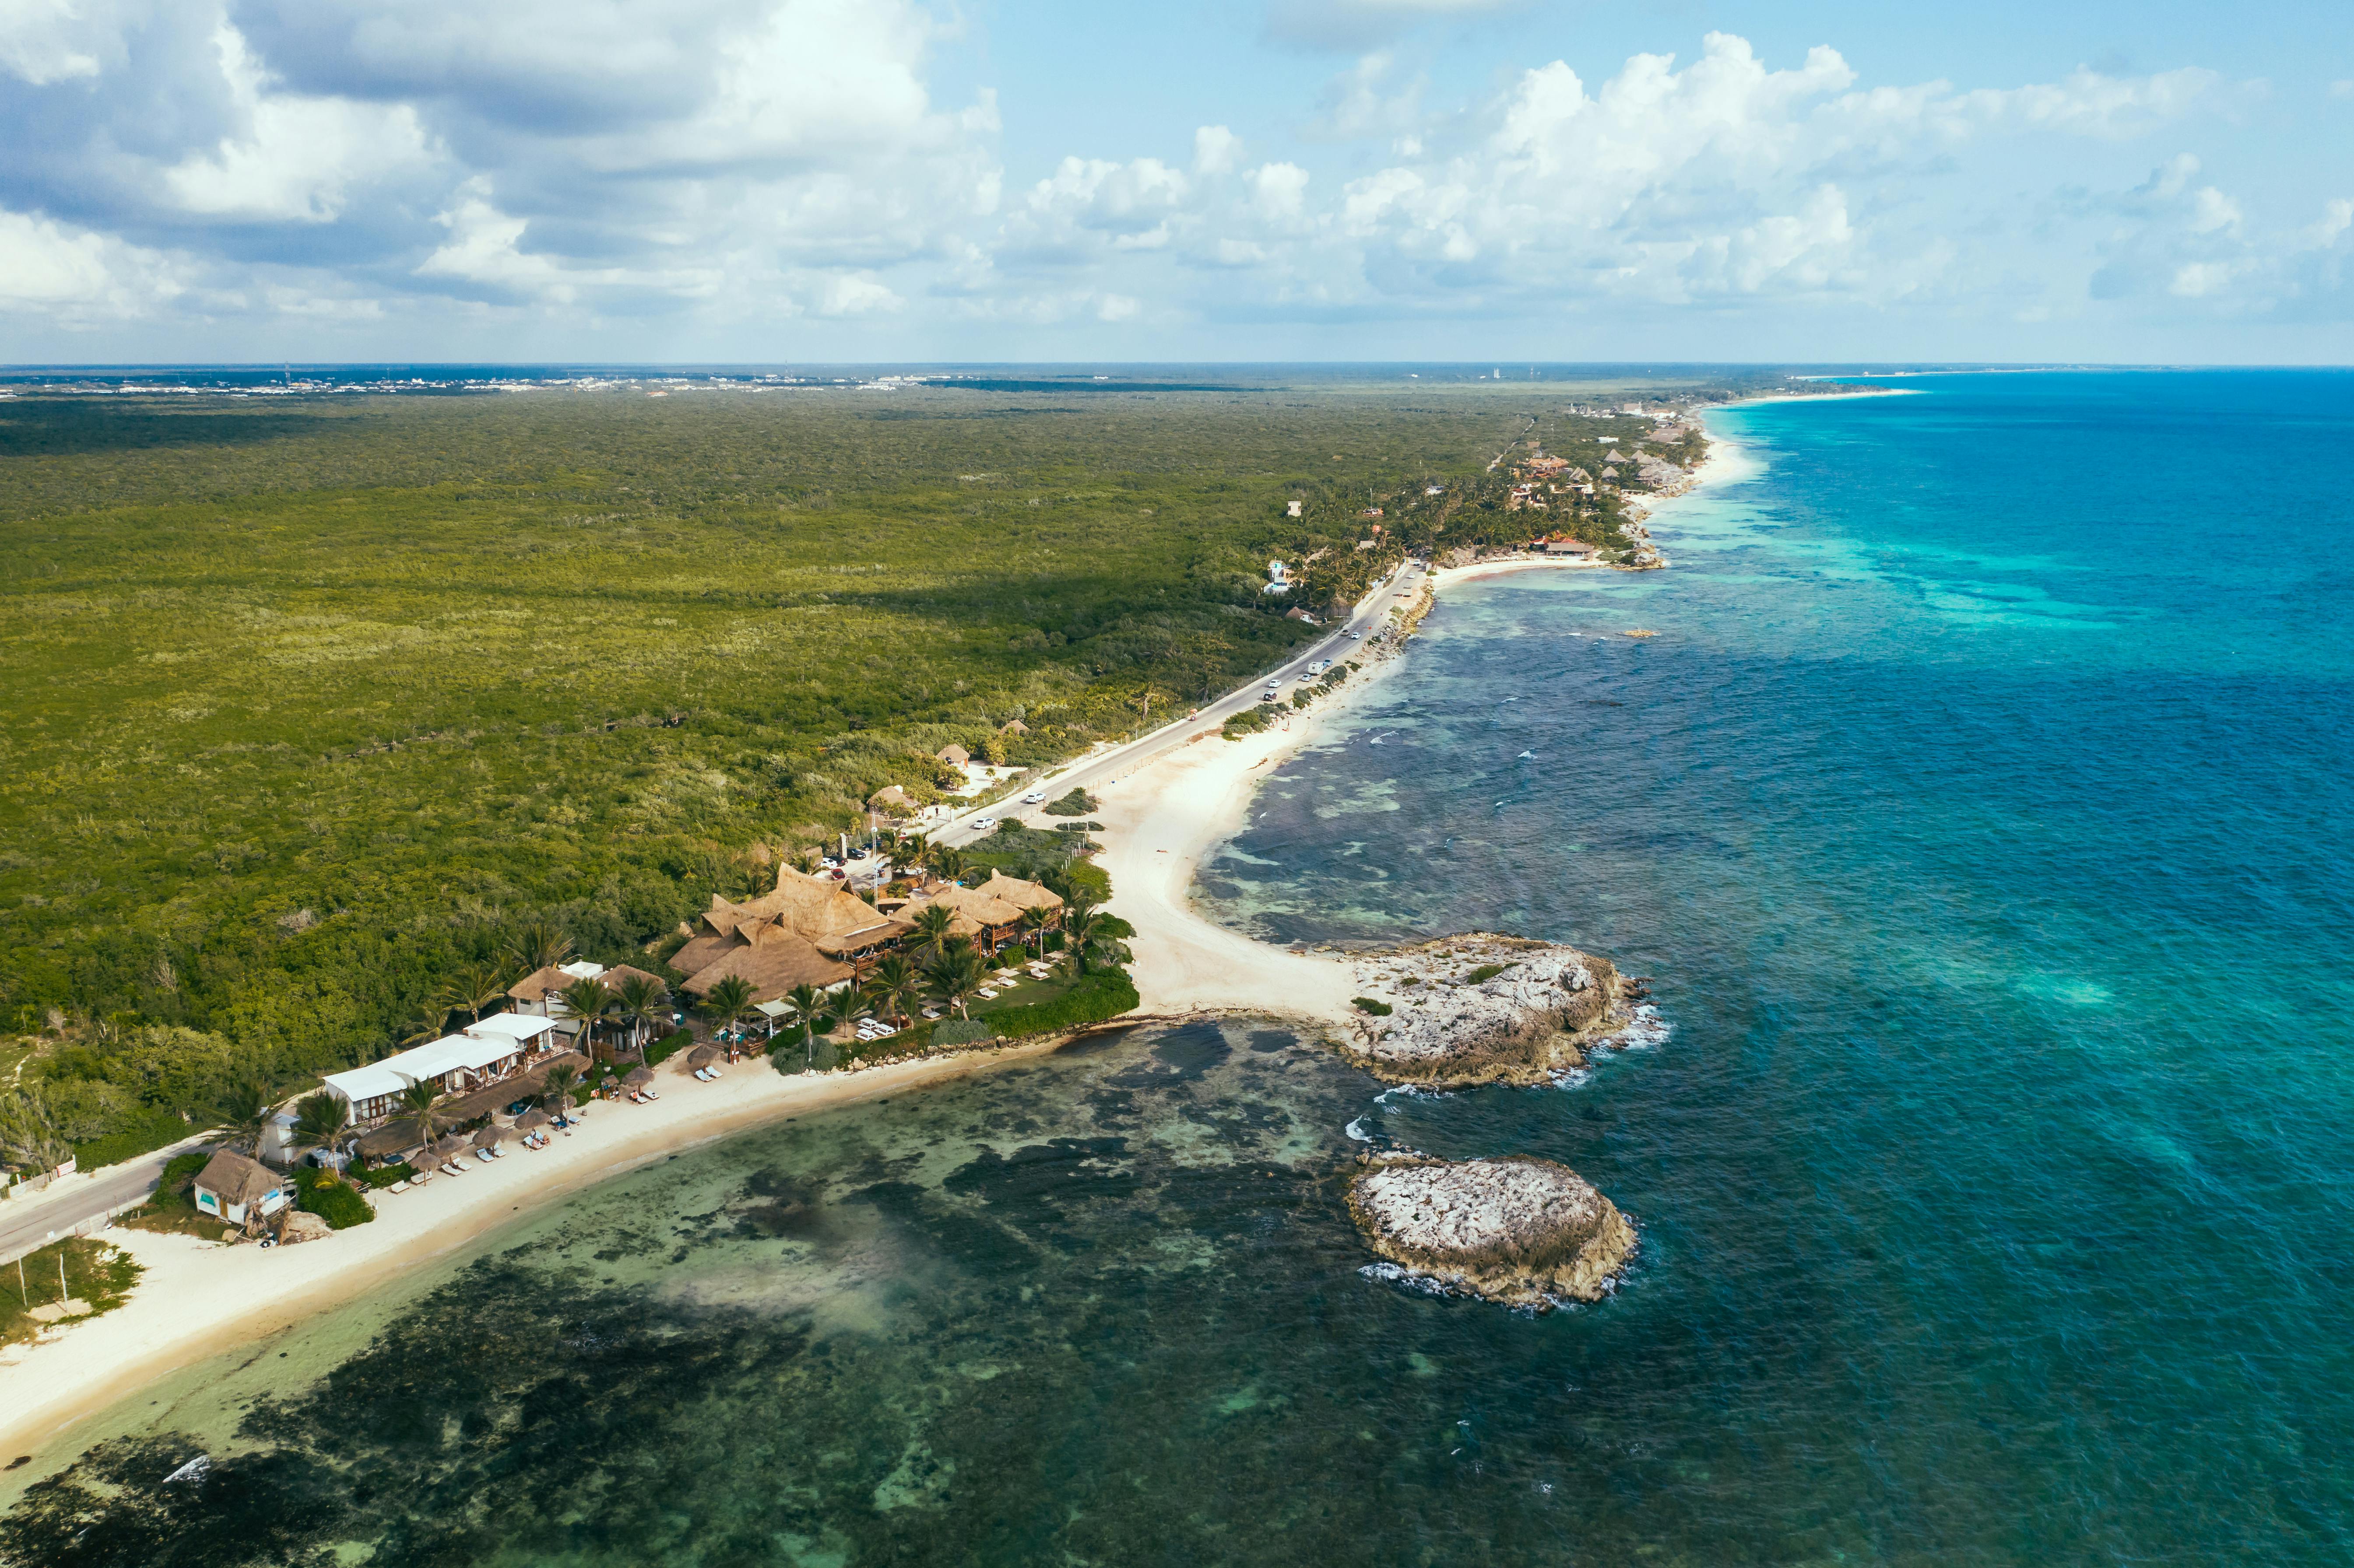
(197, 1299)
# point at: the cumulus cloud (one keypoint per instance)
(339, 163)
(73, 274)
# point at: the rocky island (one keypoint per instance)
(1517, 1230)
(1484, 1008)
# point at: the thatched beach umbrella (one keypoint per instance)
(532, 1118)
(445, 1149)
(638, 1077)
(490, 1137)
(702, 1056)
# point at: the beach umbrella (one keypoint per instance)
(532, 1118)
(703, 1055)
(638, 1076)
(448, 1149)
(490, 1137)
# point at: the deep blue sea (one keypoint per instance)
(1980, 811)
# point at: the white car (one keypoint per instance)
(1356, 635)
(1035, 797)
(984, 825)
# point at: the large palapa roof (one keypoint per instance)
(775, 961)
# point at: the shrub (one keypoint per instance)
(1078, 803)
(181, 1171)
(386, 1175)
(1485, 973)
(143, 1135)
(1368, 1005)
(668, 1045)
(333, 1201)
(963, 1031)
(1250, 721)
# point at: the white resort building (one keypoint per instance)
(482, 1054)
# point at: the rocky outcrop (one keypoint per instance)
(301, 1225)
(1519, 1230)
(1482, 1008)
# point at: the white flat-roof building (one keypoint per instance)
(482, 1054)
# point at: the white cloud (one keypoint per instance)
(299, 157)
(1216, 150)
(730, 161)
(1280, 190)
(43, 41)
(77, 276)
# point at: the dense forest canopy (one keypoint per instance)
(313, 699)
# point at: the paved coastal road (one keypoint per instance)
(1120, 761)
(30, 1224)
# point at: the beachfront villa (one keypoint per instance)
(241, 1190)
(484, 1053)
(990, 915)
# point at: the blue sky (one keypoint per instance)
(831, 180)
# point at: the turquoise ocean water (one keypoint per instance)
(1980, 810)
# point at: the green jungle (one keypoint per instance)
(315, 701)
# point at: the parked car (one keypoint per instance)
(830, 864)
(858, 854)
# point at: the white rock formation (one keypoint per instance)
(1519, 1230)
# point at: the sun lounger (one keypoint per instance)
(650, 1094)
(398, 1187)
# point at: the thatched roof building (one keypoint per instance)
(774, 960)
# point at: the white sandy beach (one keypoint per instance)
(197, 1298)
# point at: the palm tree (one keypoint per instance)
(931, 923)
(1082, 933)
(420, 1029)
(1034, 921)
(422, 1101)
(245, 1114)
(539, 945)
(807, 1003)
(473, 991)
(588, 1001)
(894, 985)
(949, 862)
(321, 1121)
(727, 1003)
(557, 1088)
(640, 1000)
(955, 972)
